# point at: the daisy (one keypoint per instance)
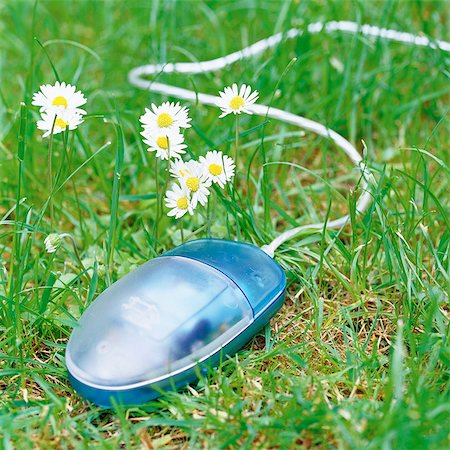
(64, 120)
(52, 242)
(58, 98)
(178, 169)
(196, 182)
(166, 117)
(167, 144)
(217, 168)
(179, 200)
(234, 100)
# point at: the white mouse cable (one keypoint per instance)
(135, 78)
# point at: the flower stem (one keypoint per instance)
(68, 146)
(181, 230)
(208, 216)
(50, 178)
(166, 175)
(166, 182)
(158, 204)
(77, 255)
(211, 211)
(236, 149)
(238, 231)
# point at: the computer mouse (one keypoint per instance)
(160, 326)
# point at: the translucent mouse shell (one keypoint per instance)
(163, 317)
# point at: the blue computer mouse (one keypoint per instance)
(176, 315)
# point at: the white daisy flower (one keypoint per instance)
(167, 144)
(234, 100)
(65, 119)
(52, 242)
(58, 98)
(196, 182)
(217, 168)
(179, 200)
(166, 117)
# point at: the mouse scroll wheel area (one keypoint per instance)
(165, 315)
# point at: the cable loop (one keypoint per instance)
(135, 77)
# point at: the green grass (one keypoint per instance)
(359, 355)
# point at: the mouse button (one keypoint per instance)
(123, 336)
(259, 276)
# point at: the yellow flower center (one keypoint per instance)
(165, 120)
(61, 123)
(182, 203)
(237, 102)
(193, 183)
(60, 101)
(215, 169)
(162, 142)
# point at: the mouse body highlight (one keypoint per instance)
(184, 311)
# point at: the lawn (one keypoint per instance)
(358, 356)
